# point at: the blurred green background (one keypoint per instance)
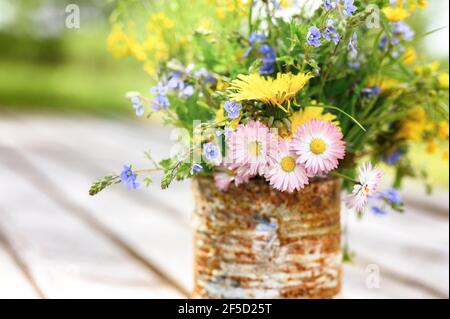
(45, 66)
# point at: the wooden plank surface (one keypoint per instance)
(15, 279)
(66, 258)
(61, 156)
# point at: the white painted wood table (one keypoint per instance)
(58, 242)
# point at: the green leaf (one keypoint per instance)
(423, 35)
(345, 113)
(102, 183)
(386, 25)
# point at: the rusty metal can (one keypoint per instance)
(253, 241)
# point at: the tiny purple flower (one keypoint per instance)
(330, 32)
(392, 195)
(175, 80)
(393, 158)
(383, 43)
(395, 41)
(256, 37)
(268, 59)
(137, 105)
(233, 109)
(128, 177)
(329, 4)
(353, 44)
(187, 91)
(227, 132)
(378, 210)
(349, 8)
(401, 28)
(354, 65)
(196, 168)
(371, 92)
(203, 73)
(313, 36)
(160, 102)
(159, 89)
(267, 68)
(211, 152)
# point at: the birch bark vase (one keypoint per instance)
(256, 242)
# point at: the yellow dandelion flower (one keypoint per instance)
(443, 80)
(308, 113)
(409, 57)
(276, 92)
(395, 14)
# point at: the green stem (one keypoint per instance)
(147, 170)
(250, 13)
(344, 177)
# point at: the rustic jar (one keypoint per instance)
(256, 242)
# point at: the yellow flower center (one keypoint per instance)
(254, 148)
(317, 146)
(287, 164)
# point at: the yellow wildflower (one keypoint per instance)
(117, 42)
(157, 47)
(427, 69)
(417, 114)
(150, 67)
(137, 49)
(414, 125)
(158, 22)
(432, 147)
(284, 4)
(443, 130)
(409, 57)
(308, 113)
(443, 80)
(221, 13)
(410, 130)
(420, 3)
(271, 91)
(220, 115)
(445, 155)
(395, 14)
(221, 85)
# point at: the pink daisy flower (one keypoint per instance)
(252, 146)
(286, 173)
(319, 145)
(369, 178)
(223, 179)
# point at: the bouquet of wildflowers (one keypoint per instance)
(286, 91)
